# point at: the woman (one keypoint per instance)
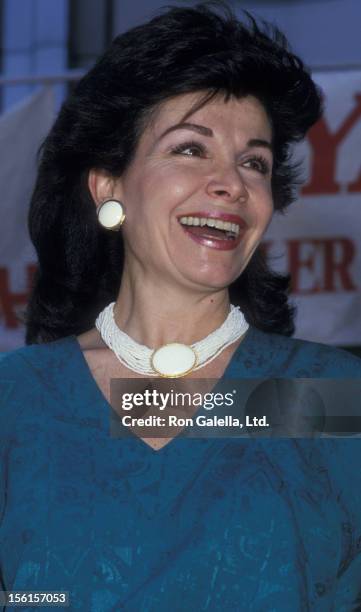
(184, 126)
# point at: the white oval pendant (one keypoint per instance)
(173, 360)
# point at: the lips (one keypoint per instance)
(225, 233)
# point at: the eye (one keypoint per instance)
(258, 163)
(190, 149)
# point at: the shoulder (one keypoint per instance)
(281, 355)
(37, 365)
(35, 355)
(27, 371)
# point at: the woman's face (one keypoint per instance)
(213, 169)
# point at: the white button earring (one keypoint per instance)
(111, 214)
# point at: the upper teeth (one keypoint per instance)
(217, 223)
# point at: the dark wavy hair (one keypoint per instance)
(201, 49)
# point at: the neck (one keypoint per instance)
(154, 315)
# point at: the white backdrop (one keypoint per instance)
(21, 132)
(318, 240)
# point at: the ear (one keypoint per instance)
(103, 186)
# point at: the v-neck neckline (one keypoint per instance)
(93, 391)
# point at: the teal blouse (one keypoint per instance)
(241, 524)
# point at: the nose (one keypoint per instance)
(228, 185)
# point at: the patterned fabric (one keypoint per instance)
(254, 525)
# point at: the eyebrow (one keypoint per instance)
(205, 131)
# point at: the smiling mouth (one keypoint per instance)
(221, 231)
(214, 229)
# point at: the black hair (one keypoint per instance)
(201, 49)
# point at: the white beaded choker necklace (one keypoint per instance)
(171, 360)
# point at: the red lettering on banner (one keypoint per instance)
(356, 186)
(333, 267)
(9, 300)
(296, 262)
(324, 151)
